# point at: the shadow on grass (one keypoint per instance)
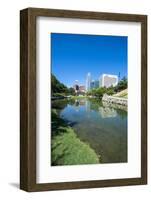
(57, 124)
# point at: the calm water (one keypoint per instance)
(104, 128)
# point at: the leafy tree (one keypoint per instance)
(71, 91)
(99, 92)
(110, 90)
(56, 86)
(121, 85)
(59, 89)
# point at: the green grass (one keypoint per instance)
(67, 149)
(78, 97)
(122, 94)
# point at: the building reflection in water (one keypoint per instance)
(87, 106)
(76, 105)
(83, 103)
(107, 112)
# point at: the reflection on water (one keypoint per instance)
(103, 127)
(107, 112)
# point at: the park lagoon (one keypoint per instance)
(88, 132)
(88, 102)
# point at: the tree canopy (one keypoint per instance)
(122, 84)
(99, 92)
(59, 88)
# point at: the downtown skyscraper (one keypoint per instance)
(88, 82)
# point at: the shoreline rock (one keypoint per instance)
(115, 100)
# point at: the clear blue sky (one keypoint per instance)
(74, 55)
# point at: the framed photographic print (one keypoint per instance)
(83, 99)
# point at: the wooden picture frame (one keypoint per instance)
(28, 98)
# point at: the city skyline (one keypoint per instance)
(105, 80)
(74, 55)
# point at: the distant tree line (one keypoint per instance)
(59, 89)
(99, 92)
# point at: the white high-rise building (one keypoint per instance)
(108, 80)
(88, 82)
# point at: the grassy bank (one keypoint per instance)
(122, 94)
(78, 97)
(67, 148)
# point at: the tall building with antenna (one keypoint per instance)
(119, 76)
(88, 82)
